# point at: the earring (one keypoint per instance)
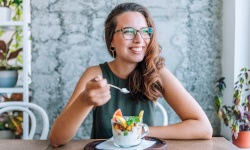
(112, 49)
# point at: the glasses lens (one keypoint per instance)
(147, 33)
(128, 33)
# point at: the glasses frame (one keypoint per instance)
(121, 30)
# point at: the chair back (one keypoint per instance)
(163, 112)
(25, 107)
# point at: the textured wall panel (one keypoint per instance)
(68, 37)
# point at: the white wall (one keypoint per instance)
(236, 46)
(242, 35)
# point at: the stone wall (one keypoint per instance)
(67, 37)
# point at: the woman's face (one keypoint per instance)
(130, 51)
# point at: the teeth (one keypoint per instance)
(137, 49)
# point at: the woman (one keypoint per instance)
(131, 40)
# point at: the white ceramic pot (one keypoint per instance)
(8, 78)
(5, 14)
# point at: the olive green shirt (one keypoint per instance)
(102, 115)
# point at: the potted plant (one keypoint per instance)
(237, 116)
(5, 11)
(8, 73)
(11, 122)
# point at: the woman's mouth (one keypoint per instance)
(136, 49)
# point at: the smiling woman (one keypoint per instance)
(131, 39)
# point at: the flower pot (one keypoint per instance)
(5, 14)
(243, 140)
(7, 134)
(8, 78)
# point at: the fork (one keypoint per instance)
(123, 90)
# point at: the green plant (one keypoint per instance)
(237, 117)
(9, 3)
(16, 6)
(11, 120)
(6, 54)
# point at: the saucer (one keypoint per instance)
(159, 144)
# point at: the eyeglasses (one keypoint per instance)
(129, 33)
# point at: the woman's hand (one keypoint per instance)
(97, 92)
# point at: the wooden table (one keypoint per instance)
(216, 143)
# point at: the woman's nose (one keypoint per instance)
(138, 38)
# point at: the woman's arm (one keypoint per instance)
(194, 125)
(88, 93)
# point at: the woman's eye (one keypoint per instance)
(128, 32)
(145, 31)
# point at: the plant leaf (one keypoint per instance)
(248, 98)
(221, 79)
(3, 46)
(14, 54)
(134, 119)
(125, 133)
(2, 55)
(8, 44)
(17, 2)
(240, 74)
(129, 122)
(241, 80)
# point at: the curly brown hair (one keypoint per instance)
(144, 81)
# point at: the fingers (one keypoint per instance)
(99, 82)
(97, 78)
(98, 97)
(97, 91)
(101, 98)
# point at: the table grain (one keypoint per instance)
(216, 143)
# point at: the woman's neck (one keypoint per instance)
(120, 69)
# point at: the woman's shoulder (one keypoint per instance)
(90, 73)
(166, 76)
(96, 67)
(164, 71)
(93, 70)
